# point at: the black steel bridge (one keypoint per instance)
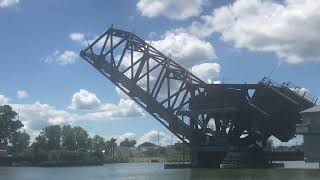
(215, 120)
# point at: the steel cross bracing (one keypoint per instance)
(154, 81)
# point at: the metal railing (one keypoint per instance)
(290, 86)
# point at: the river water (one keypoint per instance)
(153, 171)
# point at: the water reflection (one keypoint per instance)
(153, 171)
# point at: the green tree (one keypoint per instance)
(19, 141)
(53, 136)
(68, 138)
(128, 143)
(98, 143)
(40, 142)
(89, 144)
(81, 137)
(8, 124)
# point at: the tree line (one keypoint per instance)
(63, 143)
(54, 142)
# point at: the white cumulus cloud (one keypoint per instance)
(36, 116)
(62, 58)
(82, 40)
(121, 94)
(22, 94)
(154, 136)
(3, 100)
(76, 36)
(289, 28)
(190, 52)
(85, 100)
(127, 135)
(184, 48)
(8, 3)
(126, 108)
(206, 71)
(172, 9)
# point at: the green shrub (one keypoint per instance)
(26, 155)
(84, 156)
(54, 155)
(68, 156)
(40, 156)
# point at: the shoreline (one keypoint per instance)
(287, 165)
(56, 164)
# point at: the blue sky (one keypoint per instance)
(242, 40)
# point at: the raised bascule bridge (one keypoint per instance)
(221, 123)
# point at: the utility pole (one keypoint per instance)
(158, 143)
(183, 143)
(158, 139)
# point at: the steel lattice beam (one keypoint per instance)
(154, 81)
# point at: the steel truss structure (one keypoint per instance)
(154, 81)
(112, 149)
(186, 105)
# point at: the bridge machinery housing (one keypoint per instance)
(221, 123)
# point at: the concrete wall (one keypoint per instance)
(3, 153)
(311, 147)
(311, 136)
(312, 120)
(5, 161)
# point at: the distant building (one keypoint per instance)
(310, 129)
(3, 151)
(149, 148)
(269, 145)
(5, 159)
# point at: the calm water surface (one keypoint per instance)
(153, 171)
